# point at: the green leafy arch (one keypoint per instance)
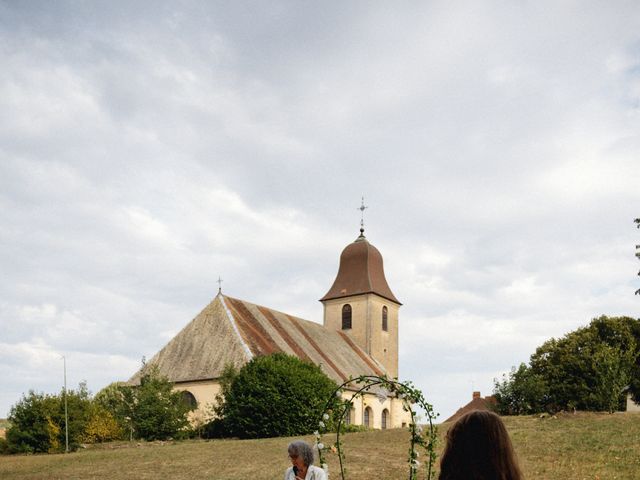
(420, 439)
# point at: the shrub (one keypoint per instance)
(101, 426)
(117, 399)
(159, 412)
(4, 446)
(152, 410)
(275, 395)
(32, 423)
(352, 428)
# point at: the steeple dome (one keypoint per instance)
(361, 271)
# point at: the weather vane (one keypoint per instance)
(219, 282)
(362, 208)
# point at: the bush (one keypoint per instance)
(102, 426)
(275, 395)
(151, 411)
(352, 428)
(38, 421)
(214, 429)
(30, 423)
(4, 446)
(159, 412)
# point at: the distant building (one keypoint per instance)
(359, 337)
(476, 403)
(631, 405)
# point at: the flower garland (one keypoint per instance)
(409, 396)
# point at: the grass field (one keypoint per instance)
(582, 446)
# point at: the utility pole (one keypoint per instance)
(637, 222)
(66, 413)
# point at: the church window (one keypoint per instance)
(367, 417)
(385, 324)
(385, 417)
(189, 400)
(346, 317)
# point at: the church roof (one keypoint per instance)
(361, 271)
(232, 331)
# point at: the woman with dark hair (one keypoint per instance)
(302, 468)
(479, 448)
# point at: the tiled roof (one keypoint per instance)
(477, 403)
(232, 331)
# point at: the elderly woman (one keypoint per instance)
(302, 468)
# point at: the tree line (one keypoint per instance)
(270, 396)
(150, 411)
(591, 368)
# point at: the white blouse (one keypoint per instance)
(313, 473)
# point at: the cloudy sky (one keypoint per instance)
(148, 148)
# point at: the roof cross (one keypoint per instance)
(362, 208)
(219, 282)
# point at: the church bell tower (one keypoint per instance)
(361, 305)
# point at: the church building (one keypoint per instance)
(359, 336)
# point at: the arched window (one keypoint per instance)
(385, 324)
(385, 418)
(367, 417)
(346, 317)
(189, 400)
(347, 418)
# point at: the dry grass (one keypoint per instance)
(583, 446)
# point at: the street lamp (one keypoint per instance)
(66, 414)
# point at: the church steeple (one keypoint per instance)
(361, 271)
(361, 304)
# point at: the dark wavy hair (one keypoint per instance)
(479, 448)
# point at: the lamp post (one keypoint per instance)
(66, 414)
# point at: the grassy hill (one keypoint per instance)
(582, 446)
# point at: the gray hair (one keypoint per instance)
(302, 449)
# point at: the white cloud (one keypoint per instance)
(144, 154)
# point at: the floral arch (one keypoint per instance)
(420, 438)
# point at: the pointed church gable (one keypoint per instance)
(201, 349)
(233, 335)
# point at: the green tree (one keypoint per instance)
(151, 410)
(634, 381)
(521, 392)
(31, 429)
(159, 412)
(275, 395)
(118, 398)
(38, 421)
(587, 369)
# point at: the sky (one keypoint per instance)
(148, 148)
